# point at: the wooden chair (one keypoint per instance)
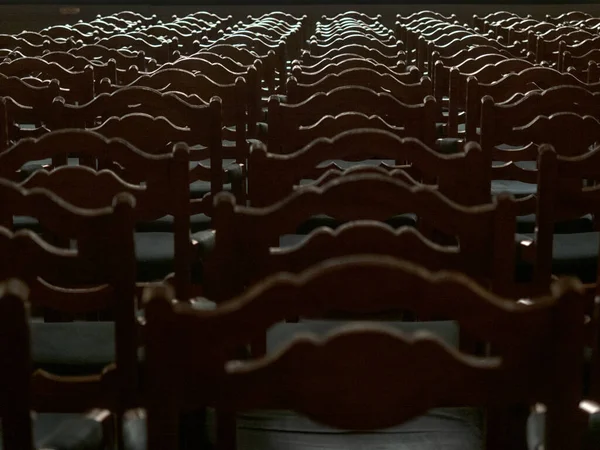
(72, 62)
(160, 52)
(360, 50)
(244, 235)
(390, 49)
(511, 134)
(568, 16)
(80, 84)
(124, 58)
(458, 91)
(306, 75)
(405, 87)
(204, 120)
(418, 120)
(32, 97)
(563, 193)
(239, 99)
(20, 430)
(576, 51)
(528, 366)
(160, 184)
(511, 88)
(273, 176)
(96, 276)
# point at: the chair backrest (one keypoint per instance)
(353, 386)
(555, 116)
(564, 193)
(97, 275)
(160, 52)
(159, 183)
(234, 96)
(80, 84)
(203, 118)
(385, 48)
(361, 50)
(458, 91)
(123, 57)
(15, 359)
(272, 176)
(245, 236)
(405, 87)
(419, 120)
(306, 75)
(511, 87)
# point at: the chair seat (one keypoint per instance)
(72, 348)
(536, 427)
(66, 432)
(440, 429)
(26, 223)
(585, 224)
(447, 428)
(516, 188)
(198, 222)
(193, 433)
(321, 220)
(33, 166)
(199, 189)
(134, 434)
(574, 254)
(155, 255)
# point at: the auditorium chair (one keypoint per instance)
(344, 379)
(97, 275)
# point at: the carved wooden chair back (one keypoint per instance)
(405, 87)
(245, 235)
(529, 366)
(306, 75)
(15, 357)
(80, 84)
(123, 57)
(387, 59)
(273, 176)
(418, 120)
(160, 52)
(98, 274)
(488, 73)
(511, 88)
(159, 183)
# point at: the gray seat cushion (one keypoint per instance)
(198, 222)
(68, 432)
(69, 348)
(26, 223)
(526, 224)
(200, 188)
(134, 434)
(322, 220)
(516, 188)
(573, 254)
(536, 428)
(155, 254)
(442, 428)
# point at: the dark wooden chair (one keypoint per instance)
(98, 275)
(351, 385)
(245, 236)
(418, 120)
(159, 183)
